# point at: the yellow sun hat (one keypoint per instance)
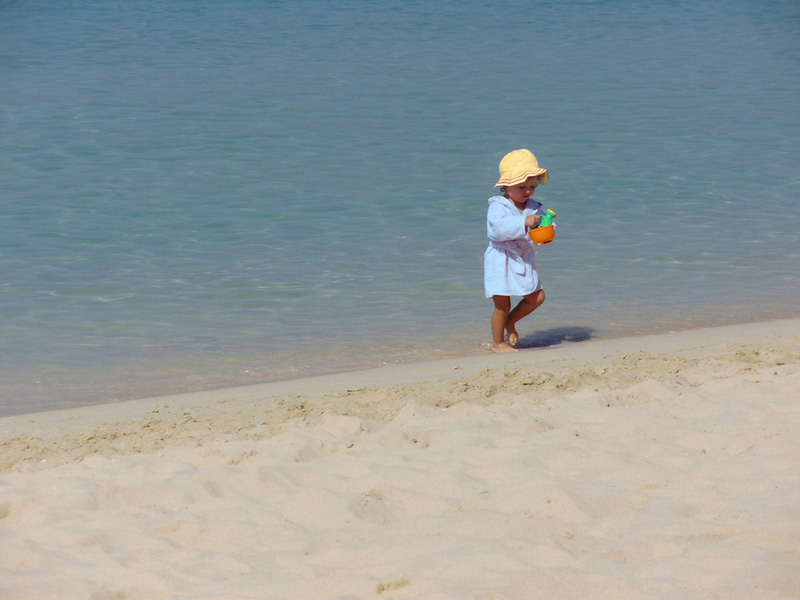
(517, 166)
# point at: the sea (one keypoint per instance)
(197, 194)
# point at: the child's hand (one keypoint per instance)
(532, 221)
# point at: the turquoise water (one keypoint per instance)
(199, 194)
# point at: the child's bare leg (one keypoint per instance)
(502, 306)
(526, 306)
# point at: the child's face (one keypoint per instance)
(520, 193)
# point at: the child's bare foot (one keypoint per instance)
(502, 348)
(513, 336)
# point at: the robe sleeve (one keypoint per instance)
(502, 226)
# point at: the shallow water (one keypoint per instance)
(198, 195)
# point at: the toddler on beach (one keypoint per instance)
(508, 267)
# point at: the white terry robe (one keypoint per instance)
(508, 264)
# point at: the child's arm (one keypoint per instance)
(502, 226)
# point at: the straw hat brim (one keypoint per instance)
(516, 179)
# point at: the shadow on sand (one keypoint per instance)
(553, 337)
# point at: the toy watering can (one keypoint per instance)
(546, 231)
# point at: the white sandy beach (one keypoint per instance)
(654, 467)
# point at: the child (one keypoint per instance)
(508, 267)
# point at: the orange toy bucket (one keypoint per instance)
(543, 235)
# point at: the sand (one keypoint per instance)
(654, 467)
